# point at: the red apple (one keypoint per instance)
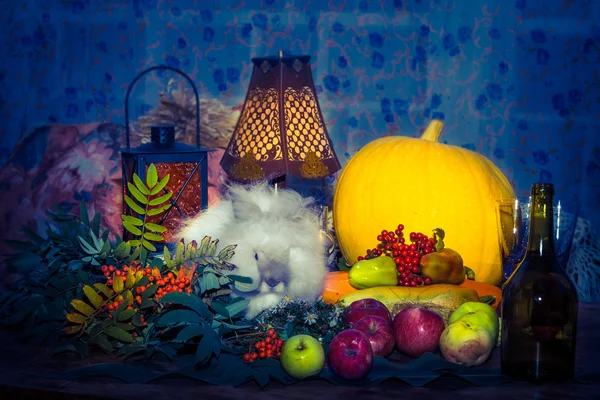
(379, 332)
(417, 331)
(363, 307)
(350, 355)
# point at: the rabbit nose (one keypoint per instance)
(272, 282)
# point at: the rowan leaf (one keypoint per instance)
(161, 185)
(76, 318)
(140, 185)
(117, 284)
(134, 206)
(91, 294)
(148, 245)
(155, 227)
(119, 334)
(132, 220)
(136, 193)
(160, 200)
(82, 307)
(155, 211)
(151, 176)
(153, 236)
(104, 289)
(131, 228)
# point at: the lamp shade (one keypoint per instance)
(281, 128)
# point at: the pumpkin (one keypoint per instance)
(337, 285)
(424, 185)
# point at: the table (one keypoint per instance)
(22, 368)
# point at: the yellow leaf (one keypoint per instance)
(130, 279)
(76, 318)
(82, 307)
(94, 297)
(117, 284)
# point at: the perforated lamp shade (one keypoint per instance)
(281, 129)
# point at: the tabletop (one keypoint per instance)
(25, 371)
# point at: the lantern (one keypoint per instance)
(187, 166)
(281, 128)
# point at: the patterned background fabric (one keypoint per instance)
(516, 80)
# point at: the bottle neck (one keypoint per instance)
(541, 225)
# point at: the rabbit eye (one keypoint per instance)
(256, 256)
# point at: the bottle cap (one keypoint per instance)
(542, 188)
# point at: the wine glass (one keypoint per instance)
(512, 216)
(513, 227)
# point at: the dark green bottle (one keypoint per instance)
(539, 304)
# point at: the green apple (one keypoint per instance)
(477, 313)
(302, 356)
(466, 344)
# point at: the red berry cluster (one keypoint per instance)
(406, 256)
(171, 283)
(269, 347)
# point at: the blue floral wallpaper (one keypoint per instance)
(516, 80)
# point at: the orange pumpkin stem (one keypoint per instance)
(433, 131)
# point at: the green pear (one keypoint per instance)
(378, 271)
(477, 313)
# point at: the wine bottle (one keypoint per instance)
(539, 305)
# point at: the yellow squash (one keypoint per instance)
(424, 185)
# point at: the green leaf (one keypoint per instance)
(220, 308)
(135, 243)
(96, 224)
(105, 290)
(122, 250)
(227, 252)
(155, 227)
(132, 220)
(137, 194)
(187, 300)
(155, 211)
(237, 307)
(83, 214)
(160, 199)
(237, 326)
(88, 248)
(153, 236)
(190, 332)
(151, 176)
(119, 334)
(131, 228)
(178, 316)
(148, 245)
(76, 318)
(82, 307)
(143, 255)
(117, 284)
(161, 185)
(245, 287)
(142, 282)
(149, 292)
(211, 281)
(239, 278)
(209, 345)
(91, 294)
(126, 315)
(140, 185)
(134, 206)
(204, 245)
(146, 304)
(212, 248)
(64, 349)
(102, 341)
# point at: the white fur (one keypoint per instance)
(276, 226)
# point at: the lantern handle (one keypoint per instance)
(137, 78)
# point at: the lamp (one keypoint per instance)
(281, 128)
(187, 165)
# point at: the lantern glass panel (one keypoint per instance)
(189, 201)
